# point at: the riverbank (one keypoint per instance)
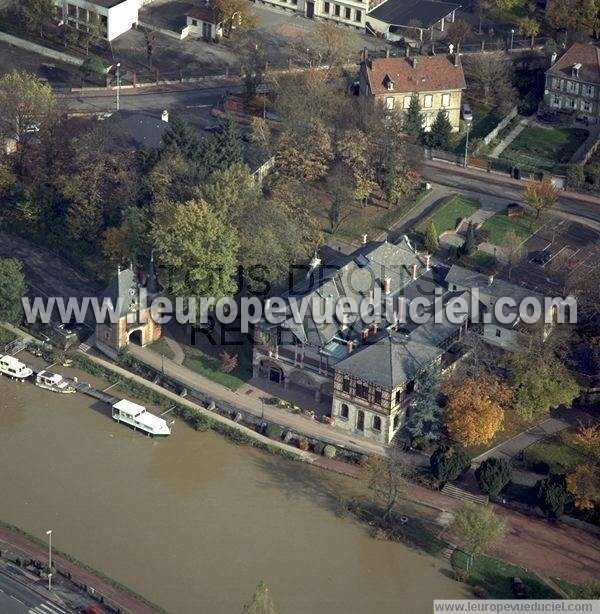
(110, 593)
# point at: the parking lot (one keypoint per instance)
(569, 248)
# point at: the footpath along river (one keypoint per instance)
(193, 522)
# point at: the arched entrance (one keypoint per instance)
(272, 371)
(136, 337)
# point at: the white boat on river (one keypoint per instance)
(54, 382)
(139, 418)
(14, 368)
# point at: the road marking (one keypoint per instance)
(51, 607)
(198, 106)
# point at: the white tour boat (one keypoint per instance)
(54, 382)
(136, 416)
(14, 368)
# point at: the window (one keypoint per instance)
(326, 7)
(346, 385)
(445, 100)
(498, 333)
(344, 411)
(571, 102)
(588, 90)
(398, 396)
(348, 13)
(389, 103)
(71, 10)
(376, 423)
(406, 102)
(556, 100)
(428, 102)
(556, 83)
(396, 421)
(358, 16)
(194, 22)
(337, 10)
(362, 391)
(586, 105)
(378, 397)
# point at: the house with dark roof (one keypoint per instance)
(438, 81)
(397, 19)
(132, 322)
(573, 83)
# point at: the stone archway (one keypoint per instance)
(136, 337)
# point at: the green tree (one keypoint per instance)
(441, 129)
(198, 250)
(413, 120)
(182, 135)
(469, 246)
(304, 156)
(425, 418)
(225, 149)
(448, 462)
(477, 527)
(91, 67)
(261, 602)
(576, 175)
(541, 196)
(540, 382)
(12, 289)
(431, 238)
(37, 14)
(553, 496)
(493, 475)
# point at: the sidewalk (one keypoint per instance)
(125, 601)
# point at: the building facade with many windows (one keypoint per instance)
(573, 83)
(347, 12)
(438, 81)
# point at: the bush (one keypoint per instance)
(493, 475)
(448, 462)
(418, 443)
(329, 451)
(318, 448)
(303, 444)
(274, 431)
(553, 496)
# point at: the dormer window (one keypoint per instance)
(387, 81)
(575, 70)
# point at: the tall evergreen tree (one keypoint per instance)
(468, 247)
(184, 136)
(431, 238)
(425, 419)
(441, 129)
(229, 144)
(413, 120)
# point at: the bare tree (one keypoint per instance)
(386, 476)
(458, 32)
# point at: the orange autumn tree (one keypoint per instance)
(475, 409)
(584, 484)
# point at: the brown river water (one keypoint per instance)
(193, 522)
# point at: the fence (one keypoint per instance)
(501, 125)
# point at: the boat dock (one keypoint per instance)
(92, 392)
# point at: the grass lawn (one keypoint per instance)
(495, 577)
(554, 455)
(480, 261)
(448, 213)
(374, 220)
(543, 149)
(578, 591)
(500, 224)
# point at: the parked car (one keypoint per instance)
(518, 588)
(541, 257)
(467, 114)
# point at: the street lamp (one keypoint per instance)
(49, 534)
(512, 38)
(467, 144)
(118, 86)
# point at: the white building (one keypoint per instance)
(115, 17)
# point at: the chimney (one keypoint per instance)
(490, 280)
(344, 321)
(414, 61)
(456, 58)
(387, 285)
(407, 51)
(365, 54)
(427, 262)
(373, 328)
(350, 347)
(364, 335)
(314, 263)
(553, 58)
(370, 295)
(165, 116)
(364, 239)
(413, 272)
(387, 52)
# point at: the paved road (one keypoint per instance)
(498, 187)
(17, 598)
